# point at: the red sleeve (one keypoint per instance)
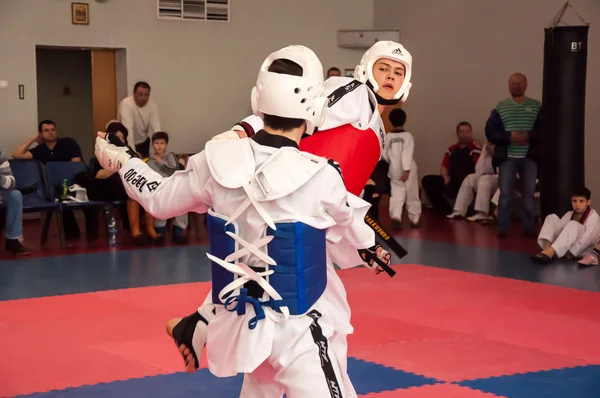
(247, 128)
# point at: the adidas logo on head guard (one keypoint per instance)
(397, 51)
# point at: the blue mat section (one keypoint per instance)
(367, 378)
(578, 382)
(122, 269)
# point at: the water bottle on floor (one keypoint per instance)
(64, 195)
(112, 232)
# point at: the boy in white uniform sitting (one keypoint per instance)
(576, 232)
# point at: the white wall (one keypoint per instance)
(201, 73)
(72, 113)
(464, 51)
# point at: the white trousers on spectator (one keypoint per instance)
(482, 185)
(406, 192)
(564, 237)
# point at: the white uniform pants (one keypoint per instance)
(564, 237)
(180, 221)
(300, 366)
(483, 185)
(408, 192)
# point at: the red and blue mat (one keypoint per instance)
(428, 332)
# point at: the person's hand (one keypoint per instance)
(110, 156)
(405, 175)
(519, 137)
(37, 138)
(446, 180)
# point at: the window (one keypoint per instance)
(196, 10)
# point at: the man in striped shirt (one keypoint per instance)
(13, 201)
(513, 126)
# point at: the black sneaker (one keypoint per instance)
(15, 247)
(397, 225)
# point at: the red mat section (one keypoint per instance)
(90, 338)
(440, 323)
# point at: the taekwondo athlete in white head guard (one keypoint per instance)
(382, 78)
(353, 135)
(269, 222)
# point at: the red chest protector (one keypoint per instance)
(357, 152)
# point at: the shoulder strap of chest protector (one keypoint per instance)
(232, 165)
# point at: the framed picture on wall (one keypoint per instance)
(349, 72)
(80, 13)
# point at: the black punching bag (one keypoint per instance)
(562, 137)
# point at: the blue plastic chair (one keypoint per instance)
(30, 181)
(57, 172)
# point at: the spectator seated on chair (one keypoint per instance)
(459, 161)
(104, 185)
(12, 200)
(166, 164)
(576, 232)
(52, 148)
(484, 182)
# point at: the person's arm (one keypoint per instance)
(154, 124)
(408, 150)
(351, 242)
(535, 133)
(22, 151)
(161, 197)
(167, 197)
(126, 116)
(7, 180)
(103, 174)
(475, 154)
(346, 214)
(590, 236)
(494, 129)
(481, 165)
(75, 151)
(444, 168)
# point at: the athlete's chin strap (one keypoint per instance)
(246, 274)
(380, 99)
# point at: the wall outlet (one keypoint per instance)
(3, 84)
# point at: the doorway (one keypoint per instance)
(80, 89)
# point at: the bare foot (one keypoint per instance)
(188, 358)
(171, 325)
(549, 251)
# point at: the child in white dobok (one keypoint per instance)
(483, 182)
(398, 152)
(576, 232)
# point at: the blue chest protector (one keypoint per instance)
(300, 275)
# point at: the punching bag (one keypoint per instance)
(562, 137)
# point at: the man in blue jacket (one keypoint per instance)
(513, 127)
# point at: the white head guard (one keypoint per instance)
(390, 50)
(294, 97)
